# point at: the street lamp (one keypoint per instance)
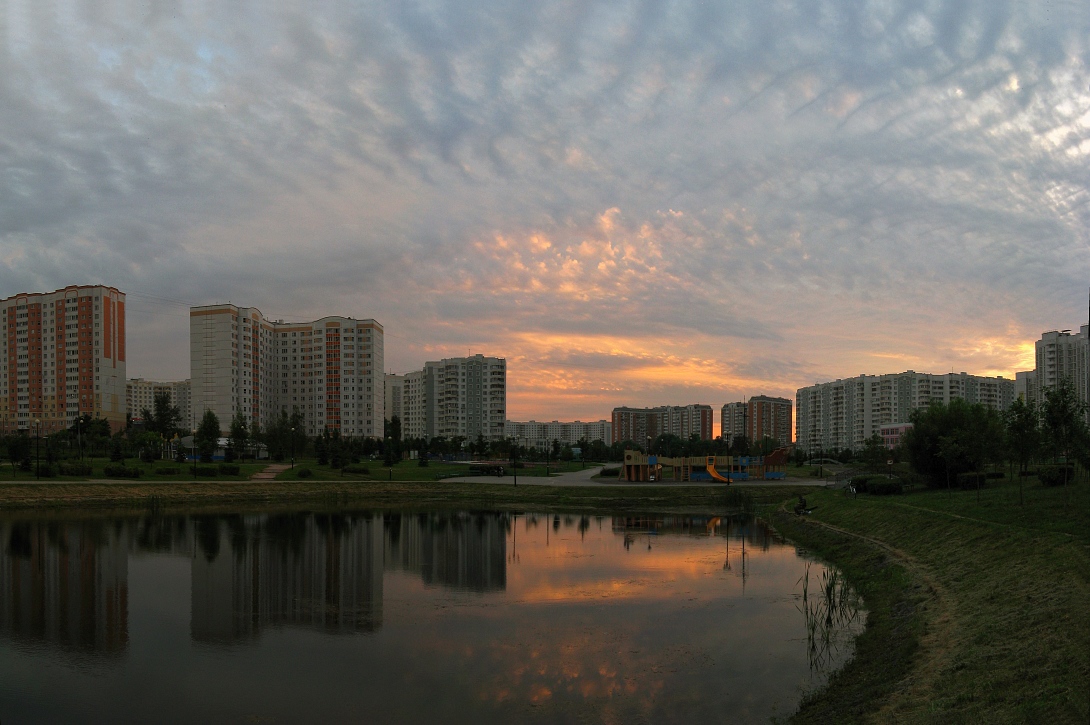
(515, 460)
(37, 445)
(293, 448)
(194, 454)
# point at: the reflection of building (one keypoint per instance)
(751, 529)
(65, 584)
(458, 550)
(322, 571)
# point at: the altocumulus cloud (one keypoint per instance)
(635, 202)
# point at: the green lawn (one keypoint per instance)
(149, 471)
(980, 610)
(412, 471)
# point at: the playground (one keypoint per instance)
(642, 467)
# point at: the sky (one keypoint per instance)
(634, 203)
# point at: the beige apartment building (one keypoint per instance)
(462, 397)
(845, 413)
(536, 434)
(140, 394)
(330, 369)
(63, 356)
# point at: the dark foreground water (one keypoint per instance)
(392, 617)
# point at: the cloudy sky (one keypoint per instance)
(635, 203)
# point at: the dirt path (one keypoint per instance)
(270, 472)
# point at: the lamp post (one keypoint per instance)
(79, 437)
(194, 453)
(293, 448)
(37, 447)
(515, 461)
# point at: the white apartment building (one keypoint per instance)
(63, 356)
(456, 397)
(1060, 355)
(541, 435)
(330, 370)
(140, 394)
(844, 413)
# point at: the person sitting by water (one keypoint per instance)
(800, 507)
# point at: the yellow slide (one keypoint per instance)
(714, 473)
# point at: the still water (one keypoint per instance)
(407, 617)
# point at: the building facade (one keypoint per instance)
(63, 356)
(140, 396)
(329, 370)
(844, 413)
(462, 397)
(758, 418)
(1060, 356)
(684, 421)
(541, 435)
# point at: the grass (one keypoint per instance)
(979, 611)
(185, 472)
(412, 471)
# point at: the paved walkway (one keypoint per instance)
(585, 478)
(269, 472)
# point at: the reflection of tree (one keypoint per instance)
(208, 536)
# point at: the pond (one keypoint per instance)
(372, 616)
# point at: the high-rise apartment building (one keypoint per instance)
(758, 418)
(542, 435)
(844, 413)
(637, 424)
(63, 356)
(140, 394)
(330, 370)
(1061, 356)
(456, 397)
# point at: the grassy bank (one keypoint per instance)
(980, 610)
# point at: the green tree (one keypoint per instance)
(164, 419)
(874, 453)
(207, 436)
(1063, 423)
(1023, 437)
(947, 440)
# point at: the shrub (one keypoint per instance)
(207, 471)
(75, 469)
(877, 485)
(25, 464)
(47, 471)
(120, 470)
(303, 473)
(993, 475)
(1054, 475)
(611, 471)
(361, 470)
(228, 469)
(167, 471)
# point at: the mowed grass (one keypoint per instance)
(150, 471)
(980, 610)
(413, 471)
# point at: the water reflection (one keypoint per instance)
(578, 617)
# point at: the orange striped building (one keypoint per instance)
(63, 356)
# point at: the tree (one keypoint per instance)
(239, 435)
(207, 436)
(1063, 422)
(874, 453)
(1023, 437)
(165, 419)
(946, 440)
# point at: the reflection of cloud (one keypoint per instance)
(783, 191)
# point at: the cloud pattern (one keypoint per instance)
(635, 202)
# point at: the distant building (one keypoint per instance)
(758, 418)
(1025, 386)
(637, 424)
(455, 397)
(330, 370)
(1061, 356)
(63, 356)
(140, 395)
(542, 435)
(845, 413)
(892, 433)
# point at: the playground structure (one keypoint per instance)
(723, 469)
